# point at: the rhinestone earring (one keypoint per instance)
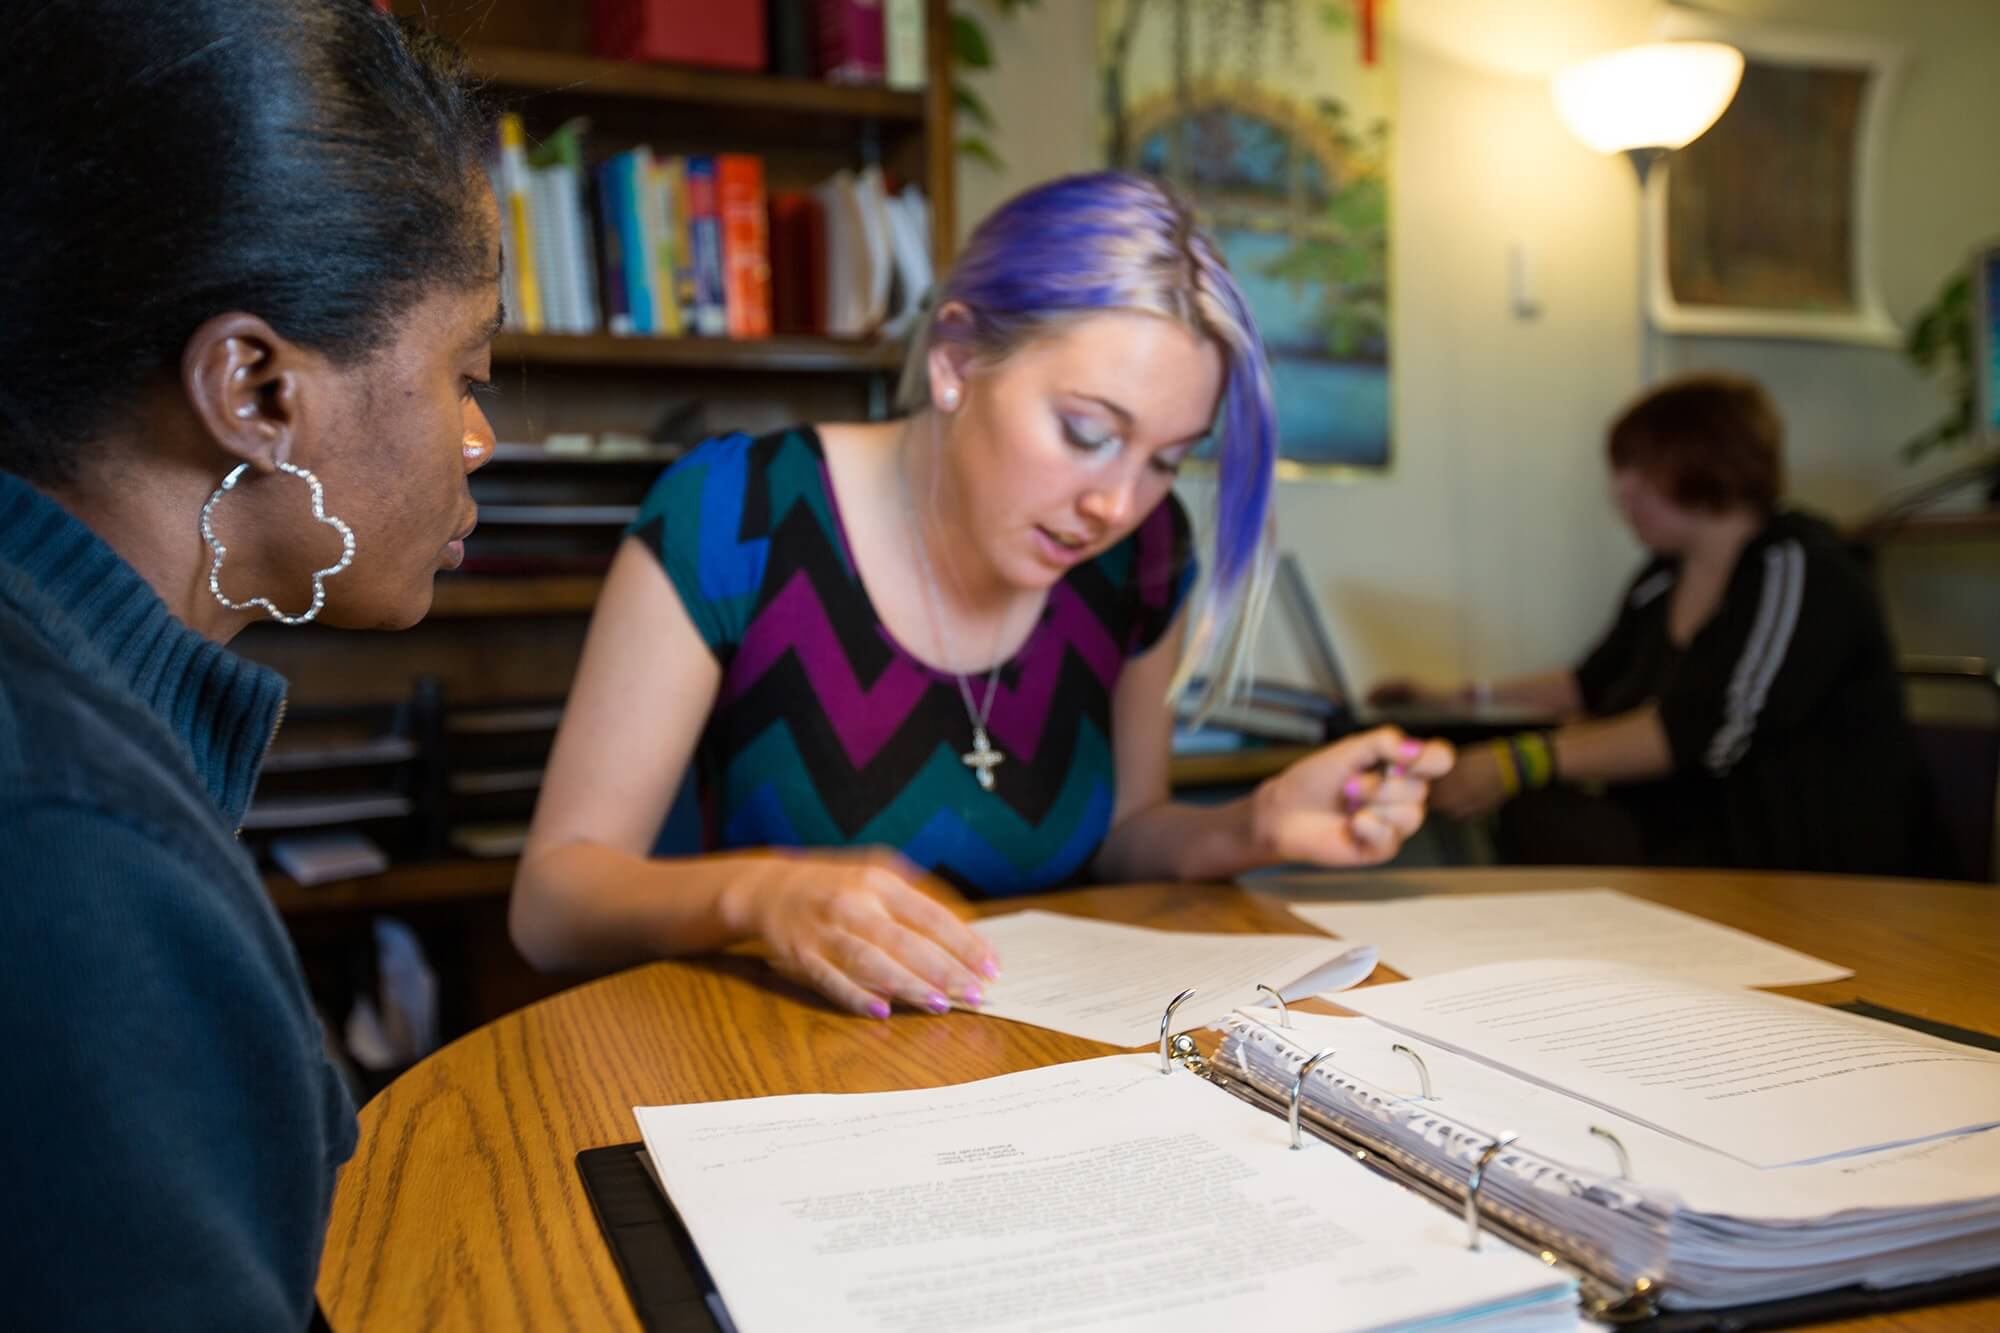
(319, 576)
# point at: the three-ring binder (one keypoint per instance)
(1600, 1298)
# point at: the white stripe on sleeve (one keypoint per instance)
(1770, 639)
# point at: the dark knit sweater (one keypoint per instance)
(171, 1127)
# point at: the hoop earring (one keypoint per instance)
(319, 576)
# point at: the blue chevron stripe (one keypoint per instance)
(728, 568)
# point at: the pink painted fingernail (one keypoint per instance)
(1410, 749)
(879, 1008)
(937, 1003)
(1398, 771)
(971, 995)
(990, 969)
(1355, 791)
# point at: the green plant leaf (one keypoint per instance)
(972, 106)
(979, 150)
(969, 46)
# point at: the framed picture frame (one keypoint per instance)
(1764, 227)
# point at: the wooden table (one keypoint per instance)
(462, 1208)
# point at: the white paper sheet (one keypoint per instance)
(1421, 937)
(1093, 1195)
(1558, 1127)
(1111, 982)
(1765, 1078)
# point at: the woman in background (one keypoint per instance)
(252, 277)
(941, 647)
(1744, 709)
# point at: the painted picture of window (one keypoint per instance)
(1273, 116)
(1761, 227)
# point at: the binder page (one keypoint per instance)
(1094, 1195)
(1421, 937)
(1558, 1128)
(1111, 982)
(1765, 1078)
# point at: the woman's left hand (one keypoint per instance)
(1352, 803)
(1473, 787)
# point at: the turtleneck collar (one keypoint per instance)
(222, 708)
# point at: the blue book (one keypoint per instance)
(711, 307)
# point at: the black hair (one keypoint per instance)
(311, 162)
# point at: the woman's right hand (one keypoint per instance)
(857, 928)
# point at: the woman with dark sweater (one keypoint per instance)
(1743, 710)
(251, 279)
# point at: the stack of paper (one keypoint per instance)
(1423, 936)
(1111, 983)
(1776, 1148)
(1097, 1195)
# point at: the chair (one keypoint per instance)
(1954, 705)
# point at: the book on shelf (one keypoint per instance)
(711, 313)
(904, 62)
(664, 246)
(850, 40)
(680, 32)
(745, 244)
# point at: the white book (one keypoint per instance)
(550, 269)
(903, 44)
(580, 252)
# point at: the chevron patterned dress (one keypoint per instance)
(829, 733)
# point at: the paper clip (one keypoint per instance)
(1477, 1179)
(1423, 1070)
(1298, 1090)
(1624, 1158)
(1166, 1026)
(1284, 1014)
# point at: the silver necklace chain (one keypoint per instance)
(983, 757)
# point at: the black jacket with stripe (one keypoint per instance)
(1785, 715)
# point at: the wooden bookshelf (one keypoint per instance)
(461, 597)
(420, 883)
(783, 355)
(587, 76)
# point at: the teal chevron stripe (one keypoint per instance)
(770, 767)
(795, 478)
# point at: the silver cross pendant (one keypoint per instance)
(982, 758)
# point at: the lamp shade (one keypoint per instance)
(1664, 95)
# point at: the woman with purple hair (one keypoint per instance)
(940, 649)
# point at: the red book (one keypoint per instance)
(746, 244)
(850, 41)
(726, 35)
(798, 263)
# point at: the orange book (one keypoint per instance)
(746, 244)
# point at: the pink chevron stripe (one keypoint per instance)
(1021, 715)
(795, 621)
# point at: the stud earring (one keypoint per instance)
(948, 399)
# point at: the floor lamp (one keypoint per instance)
(1645, 102)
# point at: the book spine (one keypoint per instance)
(705, 228)
(903, 45)
(549, 264)
(581, 256)
(746, 244)
(850, 40)
(659, 248)
(516, 213)
(680, 221)
(617, 303)
(632, 235)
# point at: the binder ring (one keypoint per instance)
(1423, 1070)
(1477, 1179)
(1624, 1158)
(1298, 1090)
(1284, 1013)
(1166, 1025)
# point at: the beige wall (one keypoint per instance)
(1488, 548)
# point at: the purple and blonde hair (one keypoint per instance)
(1110, 241)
